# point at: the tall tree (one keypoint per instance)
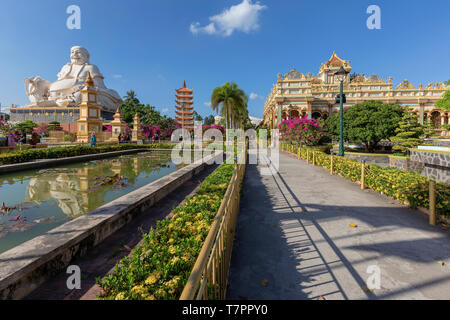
(209, 120)
(233, 101)
(197, 117)
(148, 114)
(367, 123)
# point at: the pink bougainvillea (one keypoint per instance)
(43, 129)
(150, 131)
(214, 126)
(302, 130)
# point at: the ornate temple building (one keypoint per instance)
(296, 94)
(60, 100)
(185, 108)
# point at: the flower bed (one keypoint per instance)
(71, 151)
(406, 186)
(161, 265)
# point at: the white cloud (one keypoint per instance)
(117, 76)
(254, 96)
(208, 104)
(242, 17)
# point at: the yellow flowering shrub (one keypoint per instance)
(406, 186)
(161, 265)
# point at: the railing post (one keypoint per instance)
(314, 158)
(299, 153)
(307, 155)
(432, 189)
(332, 164)
(363, 174)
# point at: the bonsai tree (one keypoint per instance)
(367, 123)
(428, 129)
(26, 126)
(54, 126)
(408, 132)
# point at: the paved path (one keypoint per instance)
(294, 240)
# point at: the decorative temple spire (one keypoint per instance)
(89, 82)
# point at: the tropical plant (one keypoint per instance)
(367, 123)
(408, 132)
(197, 117)
(209, 120)
(444, 103)
(233, 101)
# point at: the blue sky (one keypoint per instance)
(151, 46)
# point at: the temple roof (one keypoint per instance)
(184, 89)
(335, 62)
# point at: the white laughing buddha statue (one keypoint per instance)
(66, 90)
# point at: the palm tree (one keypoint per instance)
(233, 100)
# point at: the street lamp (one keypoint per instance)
(341, 75)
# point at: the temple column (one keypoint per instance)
(309, 110)
(421, 107)
(442, 120)
(280, 107)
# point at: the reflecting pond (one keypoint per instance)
(36, 201)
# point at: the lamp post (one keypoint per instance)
(341, 75)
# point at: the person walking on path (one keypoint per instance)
(93, 141)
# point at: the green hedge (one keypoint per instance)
(70, 151)
(406, 186)
(160, 266)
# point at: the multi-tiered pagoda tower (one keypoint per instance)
(185, 108)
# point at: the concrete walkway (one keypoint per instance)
(294, 240)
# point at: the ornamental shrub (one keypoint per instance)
(19, 156)
(301, 130)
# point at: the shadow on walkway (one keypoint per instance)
(286, 248)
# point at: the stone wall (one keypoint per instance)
(46, 116)
(372, 159)
(405, 164)
(436, 165)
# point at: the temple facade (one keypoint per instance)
(184, 107)
(297, 95)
